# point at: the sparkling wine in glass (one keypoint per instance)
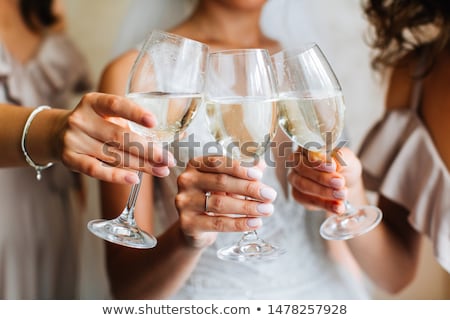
(167, 79)
(241, 109)
(311, 113)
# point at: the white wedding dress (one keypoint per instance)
(305, 271)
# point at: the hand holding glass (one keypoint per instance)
(311, 113)
(167, 79)
(241, 108)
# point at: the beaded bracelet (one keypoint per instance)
(36, 167)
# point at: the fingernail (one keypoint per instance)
(132, 178)
(339, 194)
(339, 208)
(254, 222)
(254, 173)
(171, 162)
(327, 167)
(268, 193)
(148, 120)
(161, 171)
(337, 183)
(265, 208)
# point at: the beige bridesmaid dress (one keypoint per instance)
(40, 220)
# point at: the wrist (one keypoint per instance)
(357, 193)
(42, 141)
(196, 243)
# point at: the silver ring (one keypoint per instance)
(207, 195)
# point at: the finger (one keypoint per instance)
(122, 159)
(230, 205)
(218, 182)
(96, 169)
(314, 160)
(225, 165)
(326, 179)
(205, 223)
(223, 204)
(335, 206)
(311, 207)
(107, 105)
(312, 187)
(108, 156)
(115, 136)
(102, 171)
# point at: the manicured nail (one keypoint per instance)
(132, 178)
(148, 120)
(339, 208)
(337, 183)
(268, 193)
(254, 222)
(254, 173)
(265, 208)
(171, 162)
(327, 167)
(339, 194)
(161, 171)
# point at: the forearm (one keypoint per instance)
(152, 274)
(382, 258)
(40, 141)
(388, 254)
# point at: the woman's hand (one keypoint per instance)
(319, 184)
(230, 184)
(95, 139)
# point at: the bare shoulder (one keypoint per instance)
(400, 86)
(122, 63)
(435, 105)
(272, 45)
(114, 76)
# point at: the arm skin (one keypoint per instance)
(389, 254)
(140, 274)
(73, 138)
(180, 247)
(143, 274)
(160, 272)
(392, 263)
(134, 273)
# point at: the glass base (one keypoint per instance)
(250, 248)
(121, 233)
(358, 221)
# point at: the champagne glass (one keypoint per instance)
(241, 110)
(167, 79)
(311, 112)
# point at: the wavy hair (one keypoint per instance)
(401, 27)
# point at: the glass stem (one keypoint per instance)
(349, 210)
(249, 237)
(127, 215)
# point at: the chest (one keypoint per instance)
(24, 50)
